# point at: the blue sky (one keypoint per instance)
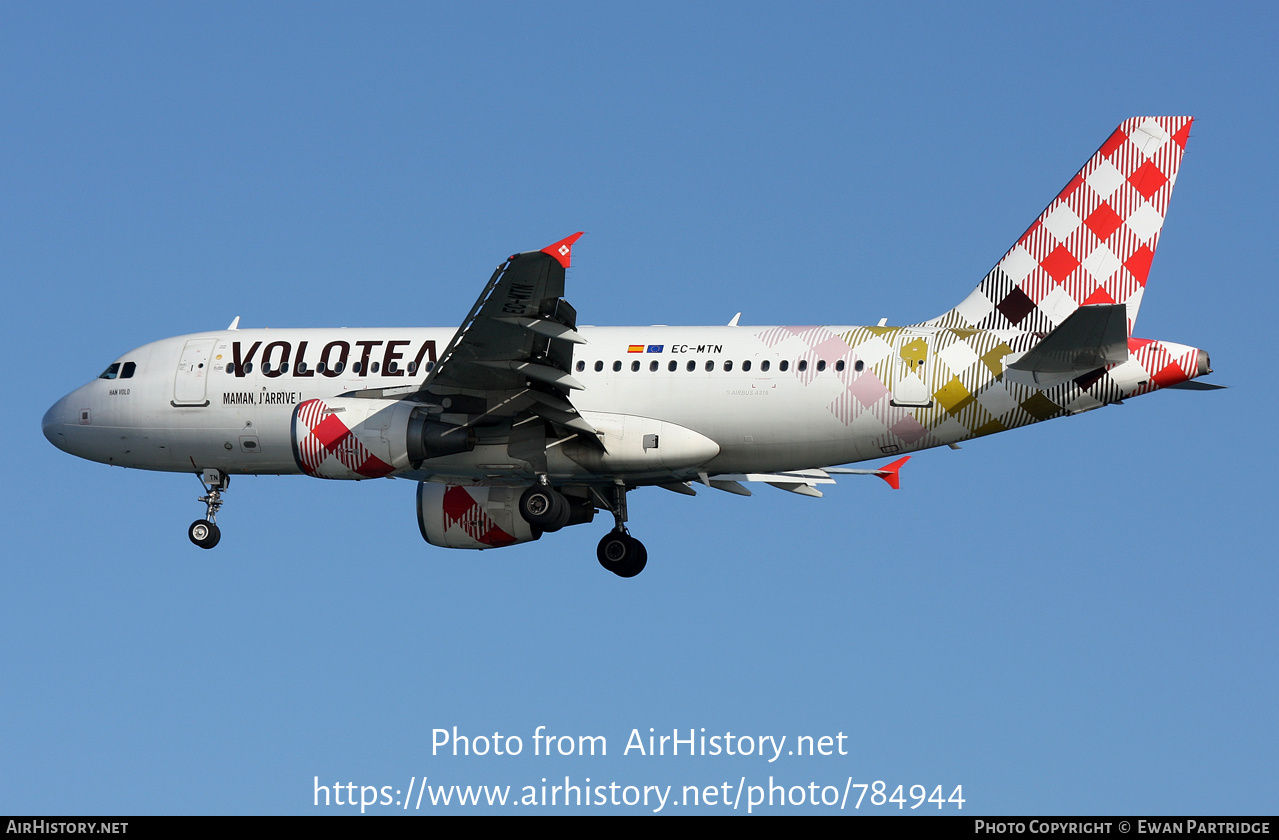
(1076, 617)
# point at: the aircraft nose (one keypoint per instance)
(55, 422)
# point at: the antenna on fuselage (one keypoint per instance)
(235, 325)
(733, 322)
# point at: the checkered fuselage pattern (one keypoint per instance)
(962, 375)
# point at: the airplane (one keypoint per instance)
(520, 423)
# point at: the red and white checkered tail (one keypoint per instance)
(1095, 241)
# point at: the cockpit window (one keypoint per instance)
(111, 372)
(126, 372)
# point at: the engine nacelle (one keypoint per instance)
(355, 438)
(452, 516)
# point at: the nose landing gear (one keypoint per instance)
(205, 532)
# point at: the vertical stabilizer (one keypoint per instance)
(1093, 244)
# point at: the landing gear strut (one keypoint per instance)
(619, 552)
(204, 532)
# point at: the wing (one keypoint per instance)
(513, 353)
(803, 482)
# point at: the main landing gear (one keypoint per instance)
(619, 552)
(204, 532)
(547, 509)
(622, 554)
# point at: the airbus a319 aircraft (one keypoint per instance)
(519, 423)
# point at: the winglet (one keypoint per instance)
(889, 473)
(562, 251)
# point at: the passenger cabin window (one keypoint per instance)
(634, 366)
(860, 366)
(782, 365)
(111, 372)
(728, 365)
(599, 366)
(617, 366)
(803, 364)
(821, 365)
(746, 365)
(764, 365)
(581, 366)
(653, 365)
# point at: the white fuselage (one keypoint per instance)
(184, 409)
(770, 398)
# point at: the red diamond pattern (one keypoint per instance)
(1099, 295)
(462, 511)
(327, 439)
(1147, 180)
(1060, 263)
(1103, 221)
(1138, 264)
(330, 432)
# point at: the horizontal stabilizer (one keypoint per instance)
(1091, 337)
(1195, 385)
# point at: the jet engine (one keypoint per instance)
(452, 516)
(357, 438)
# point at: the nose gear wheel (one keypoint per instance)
(205, 532)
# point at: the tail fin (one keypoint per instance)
(1093, 244)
